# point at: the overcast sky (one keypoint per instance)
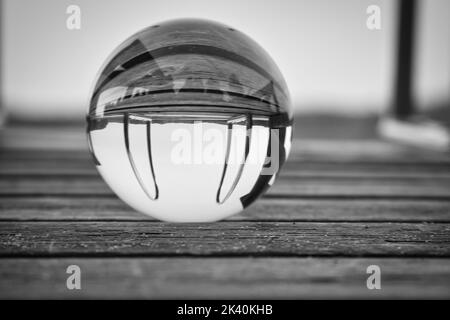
(331, 61)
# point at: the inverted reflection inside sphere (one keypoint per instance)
(189, 120)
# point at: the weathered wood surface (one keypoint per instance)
(21, 140)
(287, 187)
(307, 210)
(13, 163)
(337, 207)
(228, 278)
(224, 239)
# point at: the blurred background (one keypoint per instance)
(333, 63)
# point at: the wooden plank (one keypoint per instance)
(298, 187)
(369, 150)
(224, 239)
(310, 150)
(110, 208)
(18, 140)
(44, 137)
(67, 162)
(232, 278)
(84, 166)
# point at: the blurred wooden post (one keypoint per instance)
(403, 101)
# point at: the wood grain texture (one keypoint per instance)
(224, 239)
(20, 140)
(425, 188)
(313, 210)
(227, 278)
(80, 163)
(337, 207)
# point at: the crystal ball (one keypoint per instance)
(189, 121)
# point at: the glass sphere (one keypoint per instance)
(189, 121)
